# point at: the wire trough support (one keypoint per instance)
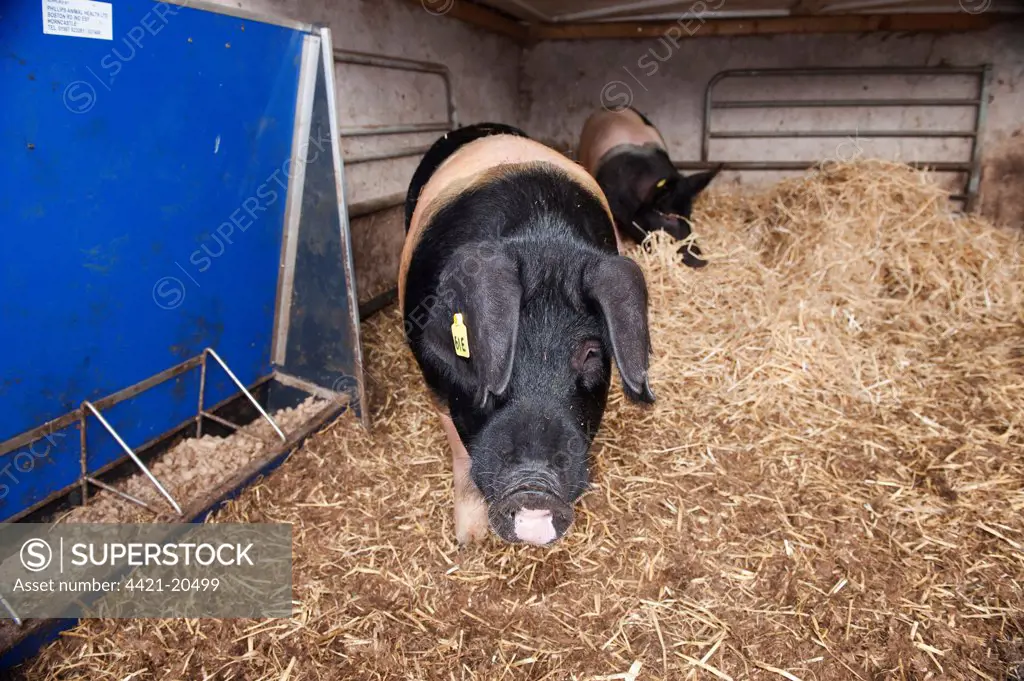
(10, 610)
(113, 490)
(211, 353)
(134, 457)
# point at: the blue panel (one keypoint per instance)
(36, 470)
(142, 195)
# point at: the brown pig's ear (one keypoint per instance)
(616, 285)
(695, 184)
(484, 287)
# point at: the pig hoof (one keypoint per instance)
(470, 522)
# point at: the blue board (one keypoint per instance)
(142, 197)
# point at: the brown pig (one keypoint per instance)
(627, 156)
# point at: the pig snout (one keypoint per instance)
(535, 526)
(531, 516)
(530, 464)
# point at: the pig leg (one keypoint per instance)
(470, 508)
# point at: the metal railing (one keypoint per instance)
(382, 203)
(398, 64)
(971, 166)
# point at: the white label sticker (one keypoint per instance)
(79, 18)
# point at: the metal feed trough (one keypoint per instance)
(177, 253)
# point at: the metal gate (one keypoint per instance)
(969, 166)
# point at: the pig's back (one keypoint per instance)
(473, 156)
(605, 130)
(441, 151)
(477, 159)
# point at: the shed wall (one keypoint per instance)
(564, 81)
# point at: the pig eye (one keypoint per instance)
(588, 356)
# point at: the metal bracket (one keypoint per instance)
(209, 352)
(128, 450)
(113, 490)
(10, 611)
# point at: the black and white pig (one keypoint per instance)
(627, 156)
(518, 241)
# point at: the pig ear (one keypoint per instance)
(488, 294)
(695, 184)
(616, 285)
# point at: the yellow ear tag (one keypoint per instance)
(460, 336)
(661, 183)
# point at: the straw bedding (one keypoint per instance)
(830, 486)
